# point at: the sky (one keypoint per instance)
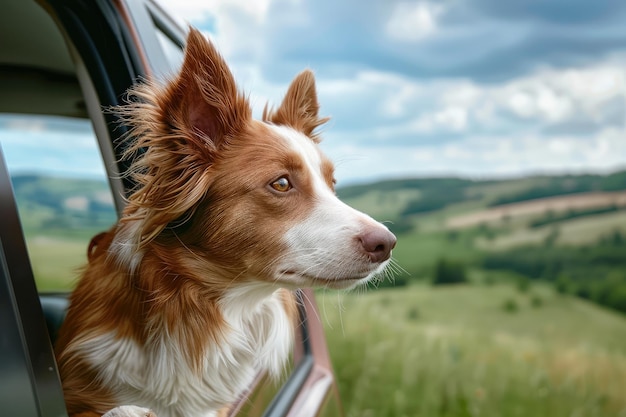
(472, 88)
(469, 88)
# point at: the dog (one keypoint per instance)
(190, 295)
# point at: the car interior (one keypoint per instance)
(38, 76)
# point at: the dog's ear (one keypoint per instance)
(299, 108)
(178, 129)
(208, 94)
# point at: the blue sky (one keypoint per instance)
(50, 145)
(476, 88)
(472, 88)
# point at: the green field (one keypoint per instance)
(457, 351)
(505, 343)
(488, 350)
(56, 262)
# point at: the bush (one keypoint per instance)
(523, 284)
(583, 291)
(447, 272)
(536, 301)
(510, 306)
(614, 238)
(413, 314)
(562, 284)
(617, 299)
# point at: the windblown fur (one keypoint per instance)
(188, 297)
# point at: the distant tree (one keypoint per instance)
(583, 291)
(523, 284)
(562, 284)
(616, 238)
(617, 298)
(447, 272)
(510, 305)
(614, 182)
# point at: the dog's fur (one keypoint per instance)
(188, 297)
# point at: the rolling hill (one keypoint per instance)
(476, 223)
(569, 229)
(523, 336)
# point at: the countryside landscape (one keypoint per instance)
(509, 300)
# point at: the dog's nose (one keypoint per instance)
(378, 243)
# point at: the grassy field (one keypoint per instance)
(464, 351)
(56, 261)
(474, 349)
(417, 350)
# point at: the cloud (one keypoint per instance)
(481, 87)
(484, 40)
(507, 156)
(379, 114)
(411, 22)
(546, 99)
(576, 12)
(201, 11)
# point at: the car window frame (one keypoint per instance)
(22, 316)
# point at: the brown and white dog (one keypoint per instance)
(188, 297)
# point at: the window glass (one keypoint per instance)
(61, 190)
(173, 52)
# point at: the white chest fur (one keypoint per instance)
(158, 375)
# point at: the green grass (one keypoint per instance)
(417, 252)
(586, 230)
(56, 261)
(455, 351)
(470, 350)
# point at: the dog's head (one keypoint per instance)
(252, 199)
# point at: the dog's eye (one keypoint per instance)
(282, 184)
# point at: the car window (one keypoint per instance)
(173, 52)
(61, 190)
